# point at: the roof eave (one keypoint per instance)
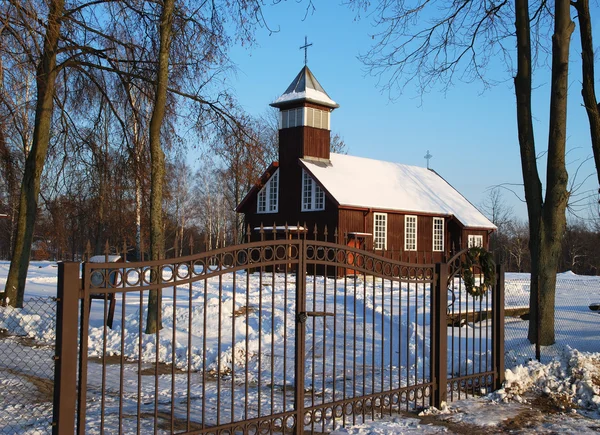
(286, 103)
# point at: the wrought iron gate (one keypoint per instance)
(266, 337)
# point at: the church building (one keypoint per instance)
(408, 213)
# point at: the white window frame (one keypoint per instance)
(312, 196)
(410, 243)
(472, 238)
(438, 234)
(304, 116)
(380, 231)
(267, 200)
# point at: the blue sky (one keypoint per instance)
(471, 133)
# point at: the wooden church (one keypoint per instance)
(406, 212)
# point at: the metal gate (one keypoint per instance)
(265, 337)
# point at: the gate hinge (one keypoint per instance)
(301, 317)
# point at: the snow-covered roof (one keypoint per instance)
(102, 259)
(305, 87)
(360, 182)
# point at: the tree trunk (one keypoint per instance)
(546, 215)
(157, 157)
(34, 163)
(588, 90)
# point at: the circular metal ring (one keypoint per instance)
(182, 271)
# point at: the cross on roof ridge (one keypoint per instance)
(305, 47)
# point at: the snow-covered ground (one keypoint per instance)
(559, 394)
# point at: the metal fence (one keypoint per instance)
(278, 336)
(27, 338)
(575, 324)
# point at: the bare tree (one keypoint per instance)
(501, 214)
(46, 74)
(435, 41)
(496, 209)
(517, 246)
(588, 90)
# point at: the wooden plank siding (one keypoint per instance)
(316, 142)
(291, 148)
(290, 207)
(356, 220)
(301, 142)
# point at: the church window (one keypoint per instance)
(438, 234)
(380, 231)
(313, 197)
(292, 118)
(410, 233)
(475, 241)
(268, 197)
(304, 116)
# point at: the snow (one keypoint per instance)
(305, 87)
(310, 95)
(104, 258)
(570, 380)
(361, 182)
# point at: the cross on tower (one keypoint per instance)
(428, 157)
(305, 48)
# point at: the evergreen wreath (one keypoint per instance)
(477, 256)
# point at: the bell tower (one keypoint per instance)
(304, 120)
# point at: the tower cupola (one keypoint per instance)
(304, 119)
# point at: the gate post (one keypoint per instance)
(65, 356)
(439, 346)
(300, 350)
(498, 329)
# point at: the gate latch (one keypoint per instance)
(319, 314)
(305, 314)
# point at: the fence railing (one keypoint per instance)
(27, 366)
(576, 325)
(272, 336)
